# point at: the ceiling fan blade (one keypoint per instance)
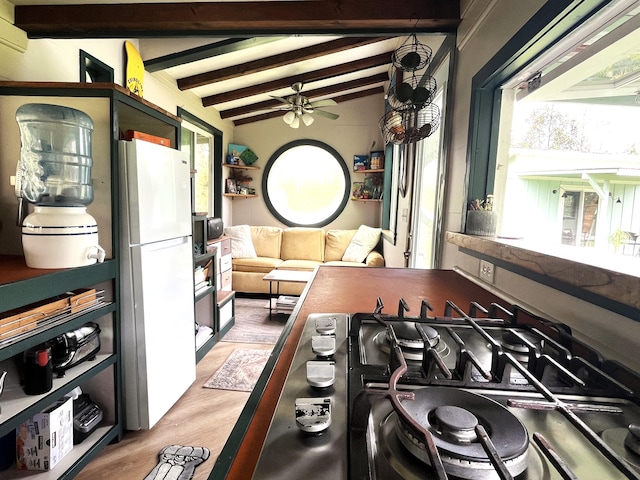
(329, 115)
(281, 99)
(323, 103)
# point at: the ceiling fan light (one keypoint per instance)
(307, 119)
(295, 123)
(289, 117)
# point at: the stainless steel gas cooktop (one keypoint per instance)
(486, 393)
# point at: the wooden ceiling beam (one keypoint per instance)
(318, 92)
(314, 76)
(339, 99)
(274, 61)
(229, 45)
(237, 18)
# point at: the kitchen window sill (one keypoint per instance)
(561, 268)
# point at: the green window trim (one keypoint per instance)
(552, 22)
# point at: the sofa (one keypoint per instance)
(257, 250)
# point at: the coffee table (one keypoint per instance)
(277, 276)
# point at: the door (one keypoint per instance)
(158, 190)
(165, 334)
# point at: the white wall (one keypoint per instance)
(59, 61)
(351, 134)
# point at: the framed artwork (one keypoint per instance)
(232, 186)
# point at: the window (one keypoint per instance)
(203, 143)
(305, 184)
(564, 163)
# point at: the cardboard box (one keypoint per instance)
(44, 440)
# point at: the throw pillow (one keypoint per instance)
(241, 243)
(365, 240)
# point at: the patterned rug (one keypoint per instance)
(240, 371)
(252, 323)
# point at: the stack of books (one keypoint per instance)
(201, 277)
(286, 302)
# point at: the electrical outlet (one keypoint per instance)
(486, 271)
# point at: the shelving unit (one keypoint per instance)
(114, 111)
(370, 176)
(236, 174)
(225, 296)
(205, 300)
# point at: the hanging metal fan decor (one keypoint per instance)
(410, 126)
(412, 94)
(299, 107)
(412, 55)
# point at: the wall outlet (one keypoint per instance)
(486, 271)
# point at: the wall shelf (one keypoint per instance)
(243, 195)
(374, 200)
(241, 167)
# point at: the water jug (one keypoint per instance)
(55, 157)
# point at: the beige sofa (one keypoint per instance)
(294, 248)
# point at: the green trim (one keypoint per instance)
(549, 25)
(218, 157)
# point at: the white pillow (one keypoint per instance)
(241, 243)
(365, 240)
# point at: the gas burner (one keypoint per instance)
(410, 341)
(513, 343)
(451, 416)
(624, 443)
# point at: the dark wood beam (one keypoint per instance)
(274, 61)
(339, 99)
(203, 52)
(318, 92)
(237, 18)
(314, 76)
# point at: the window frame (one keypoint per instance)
(552, 22)
(215, 183)
(314, 143)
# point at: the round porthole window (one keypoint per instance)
(305, 184)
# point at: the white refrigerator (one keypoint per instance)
(157, 316)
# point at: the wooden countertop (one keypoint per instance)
(334, 290)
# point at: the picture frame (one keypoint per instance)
(232, 186)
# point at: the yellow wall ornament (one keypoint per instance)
(134, 76)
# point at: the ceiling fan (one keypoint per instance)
(299, 107)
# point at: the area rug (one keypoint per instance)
(240, 371)
(177, 462)
(252, 323)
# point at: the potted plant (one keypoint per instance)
(481, 217)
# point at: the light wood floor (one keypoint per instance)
(202, 417)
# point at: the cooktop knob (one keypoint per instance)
(321, 374)
(323, 345)
(313, 415)
(326, 325)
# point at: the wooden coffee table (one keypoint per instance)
(277, 276)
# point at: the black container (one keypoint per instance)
(38, 370)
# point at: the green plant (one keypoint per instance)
(486, 205)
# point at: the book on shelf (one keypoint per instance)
(286, 301)
(202, 286)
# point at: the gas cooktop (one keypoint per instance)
(487, 393)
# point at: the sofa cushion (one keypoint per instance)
(365, 240)
(258, 264)
(336, 242)
(302, 243)
(241, 242)
(267, 241)
(306, 265)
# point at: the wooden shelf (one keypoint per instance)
(241, 167)
(366, 199)
(377, 170)
(239, 195)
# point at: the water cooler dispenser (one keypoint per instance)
(54, 175)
